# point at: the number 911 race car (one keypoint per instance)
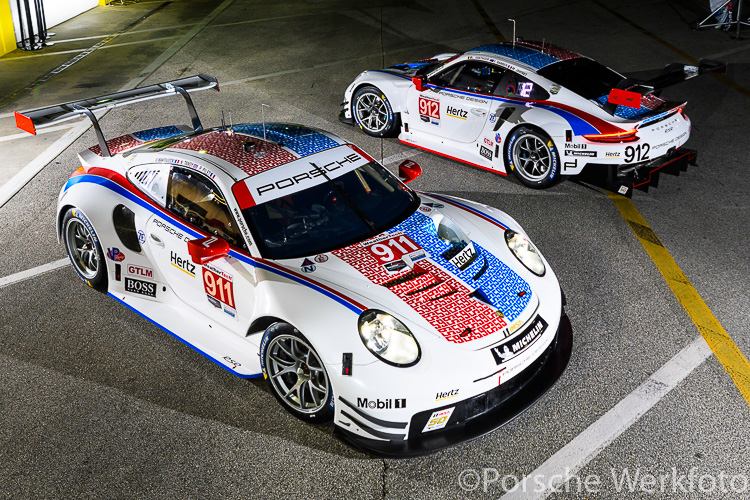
(538, 110)
(413, 321)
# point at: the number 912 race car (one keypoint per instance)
(538, 110)
(414, 321)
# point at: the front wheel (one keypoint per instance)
(533, 158)
(296, 374)
(84, 249)
(373, 113)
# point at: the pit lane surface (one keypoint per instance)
(96, 401)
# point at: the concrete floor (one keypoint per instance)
(97, 402)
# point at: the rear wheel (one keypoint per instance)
(295, 373)
(532, 156)
(84, 250)
(373, 113)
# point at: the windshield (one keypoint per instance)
(585, 77)
(344, 210)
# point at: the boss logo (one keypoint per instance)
(381, 404)
(140, 287)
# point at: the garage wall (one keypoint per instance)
(55, 11)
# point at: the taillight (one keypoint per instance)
(627, 136)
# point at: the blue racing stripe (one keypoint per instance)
(302, 140)
(182, 340)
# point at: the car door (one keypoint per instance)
(455, 103)
(222, 289)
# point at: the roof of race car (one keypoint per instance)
(282, 144)
(534, 54)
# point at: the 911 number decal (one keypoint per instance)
(393, 248)
(637, 153)
(219, 290)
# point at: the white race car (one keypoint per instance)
(538, 110)
(414, 321)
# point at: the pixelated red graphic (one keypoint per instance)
(433, 293)
(118, 144)
(651, 101)
(553, 50)
(231, 148)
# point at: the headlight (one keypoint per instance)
(388, 338)
(524, 252)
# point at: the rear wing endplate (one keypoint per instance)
(670, 75)
(42, 117)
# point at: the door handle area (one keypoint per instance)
(478, 111)
(156, 240)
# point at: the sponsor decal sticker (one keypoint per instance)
(321, 258)
(612, 154)
(498, 138)
(487, 142)
(554, 89)
(493, 117)
(487, 153)
(308, 266)
(440, 396)
(140, 287)
(115, 254)
(438, 419)
(456, 113)
(381, 404)
(143, 272)
(169, 229)
(509, 350)
(141, 236)
(465, 257)
(591, 154)
(232, 362)
(184, 265)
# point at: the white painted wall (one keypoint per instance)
(55, 12)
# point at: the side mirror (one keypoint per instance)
(418, 82)
(409, 170)
(207, 249)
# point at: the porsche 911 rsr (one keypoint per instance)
(413, 321)
(538, 110)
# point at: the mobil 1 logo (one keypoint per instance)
(140, 287)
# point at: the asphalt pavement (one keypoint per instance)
(96, 402)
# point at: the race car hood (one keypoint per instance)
(470, 291)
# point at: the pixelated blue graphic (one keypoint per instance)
(624, 111)
(500, 285)
(301, 140)
(522, 54)
(154, 134)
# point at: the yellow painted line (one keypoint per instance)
(726, 351)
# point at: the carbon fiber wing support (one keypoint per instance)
(42, 117)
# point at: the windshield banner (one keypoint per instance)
(298, 175)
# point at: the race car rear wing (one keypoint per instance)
(629, 91)
(42, 117)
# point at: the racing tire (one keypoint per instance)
(373, 113)
(533, 158)
(84, 249)
(295, 374)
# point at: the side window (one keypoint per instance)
(152, 180)
(197, 200)
(515, 85)
(473, 76)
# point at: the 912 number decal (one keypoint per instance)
(429, 107)
(637, 153)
